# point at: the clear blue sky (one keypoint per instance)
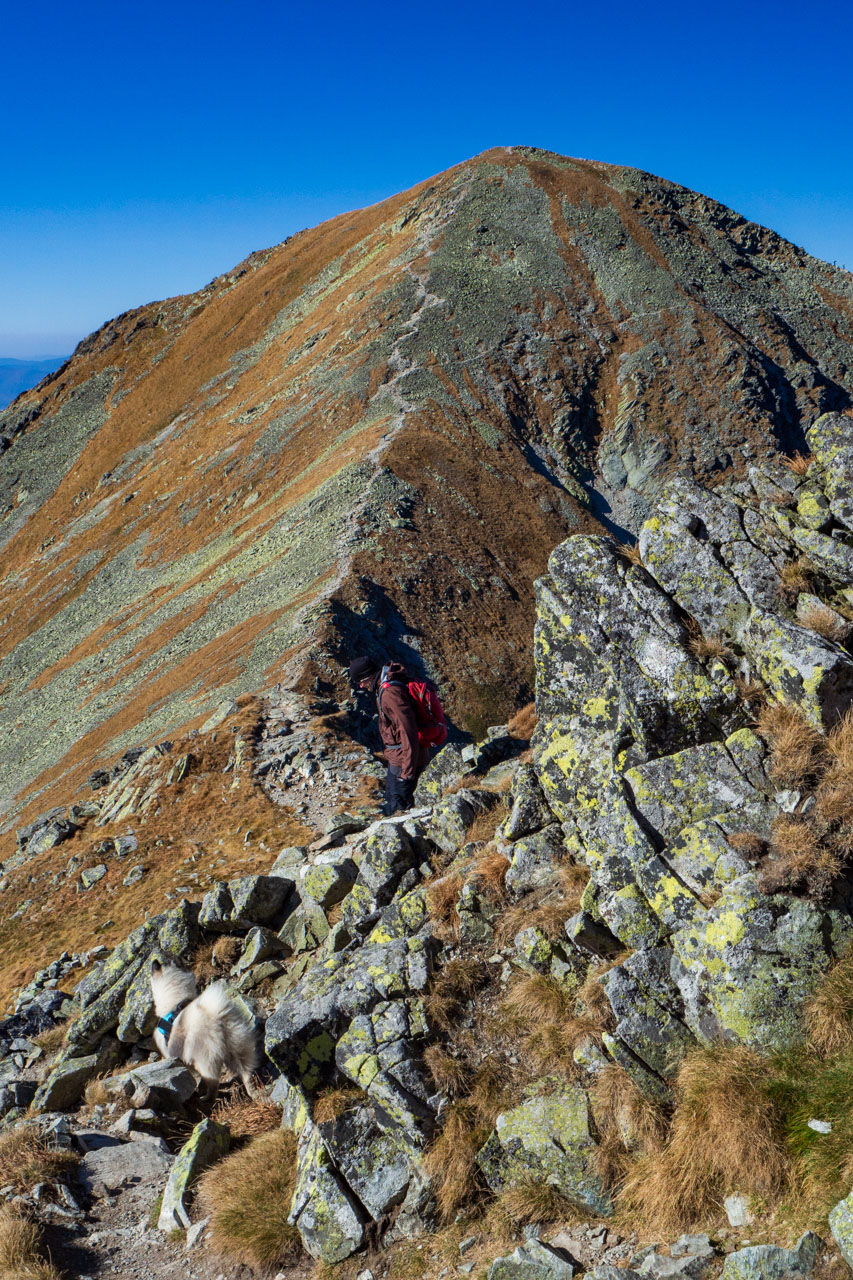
(148, 147)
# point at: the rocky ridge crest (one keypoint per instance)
(645, 774)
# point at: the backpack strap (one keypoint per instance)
(385, 683)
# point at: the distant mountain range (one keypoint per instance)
(19, 375)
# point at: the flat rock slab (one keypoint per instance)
(110, 1168)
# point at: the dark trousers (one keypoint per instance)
(398, 793)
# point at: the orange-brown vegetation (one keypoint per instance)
(825, 621)
(798, 463)
(247, 1196)
(725, 1136)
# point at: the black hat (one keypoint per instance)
(362, 669)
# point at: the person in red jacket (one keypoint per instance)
(398, 727)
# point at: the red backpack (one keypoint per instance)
(429, 713)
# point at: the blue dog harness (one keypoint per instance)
(165, 1023)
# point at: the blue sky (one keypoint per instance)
(147, 148)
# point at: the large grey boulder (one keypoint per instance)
(323, 1210)
(375, 1162)
(547, 1139)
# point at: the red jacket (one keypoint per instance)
(398, 723)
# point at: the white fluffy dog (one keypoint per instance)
(207, 1032)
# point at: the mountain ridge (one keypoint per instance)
(373, 434)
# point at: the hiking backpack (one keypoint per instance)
(429, 713)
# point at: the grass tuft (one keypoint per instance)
(441, 898)
(451, 1075)
(27, 1158)
(828, 1013)
(22, 1255)
(522, 724)
(726, 1135)
(538, 1202)
(749, 843)
(246, 1119)
(825, 621)
(451, 1160)
(796, 746)
(796, 576)
(798, 463)
(248, 1196)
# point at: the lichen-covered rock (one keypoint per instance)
(207, 1143)
(532, 1260)
(767, 1262)
(445, 768)
(329, 880)
(831, 441)
(453, 815)
(529, 810)
(389, 853)
(258, 900)
(649, 1009)
(304, 929)
(323, 1211)
(375, 1162)
(380, 1052)
(165, 1085)
(302, 1032)
(547, 1139)
(745, 969)
(534, 859)
(841, 1226)
(64, 1087)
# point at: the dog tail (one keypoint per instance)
(241, 1047)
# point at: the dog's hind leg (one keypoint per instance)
(207, 1091)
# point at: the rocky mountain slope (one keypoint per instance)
(594, 993)
(375, 433)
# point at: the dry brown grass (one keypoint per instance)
(454, 986)
(748, 688)
(799, 463)
(246, 1119)
(630, 551)
(53, 1038)
(451, 1075)
(749, 843)
(796, 576)
(538, 1202)
(707, 648)
(725, 1136)
(796, 746)
(441, 898)
(451, 1160)
(27, 1158)
(825, 621)
(334, 1101)
(592, 1001)
(486, 824)
(802, 859)
(627, 1121)
(22, 1254)
(828, 1015)
(540, 1012)
(489, 873)
(247, 1196)
(522, 724)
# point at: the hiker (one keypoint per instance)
(411, 721)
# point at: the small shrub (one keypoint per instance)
(726, 1135)
(248, 1195)
(22, 1255)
